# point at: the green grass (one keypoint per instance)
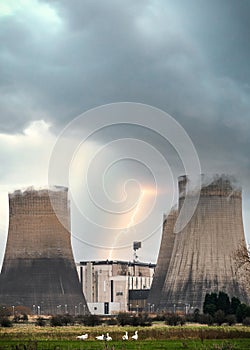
(30, 337)
(239, 344)
(31, 332)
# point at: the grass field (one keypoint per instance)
(30, 337)
(240, 344)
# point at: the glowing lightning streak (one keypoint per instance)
(132, 220)
(130, 224)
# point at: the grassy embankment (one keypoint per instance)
(30, 337)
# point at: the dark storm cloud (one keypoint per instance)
(189, 58)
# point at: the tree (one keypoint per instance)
(235, 302)
(223, 303)
(210, 304)
(196, 315)
(210, 309)
(242, 263)
(242, 312)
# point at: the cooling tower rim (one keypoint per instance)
(208, 179)
(41, 190)
(171, 213)
(211, 185)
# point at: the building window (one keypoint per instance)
(119, 293)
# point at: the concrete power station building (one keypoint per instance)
(200, 258)
(111, 286)
(38, 269)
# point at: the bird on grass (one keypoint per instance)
(100, 337)
(125, 336)
(108, 337)
(82, 337)
(135, 336)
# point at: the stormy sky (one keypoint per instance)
(58, 59)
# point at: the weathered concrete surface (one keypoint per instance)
(202, 258)
(38, 266)
(165, 253)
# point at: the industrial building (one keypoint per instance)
(200, 258)
(38, 269)
(111, 286)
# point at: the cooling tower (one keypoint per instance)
(165, 253)
(202, 259)
(38, 269)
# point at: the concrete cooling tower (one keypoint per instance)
(202, 259)
(165, 253)
(38, 269)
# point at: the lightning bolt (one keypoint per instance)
(130, 223)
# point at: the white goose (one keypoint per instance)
(100, 337)
(135, 336)
(83, 336)
(125, 336)
(108, 337)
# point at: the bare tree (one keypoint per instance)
(242, 258)
(242, 264)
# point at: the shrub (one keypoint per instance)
(241, 312)
(246, 321)
(56, 321)
(160, 317)
(25, 317)
(61, 320)
(5, 322)
(16, 318)
(20, 318)
(219, 317)
(67, 320)
(123, 318)
(206, 319)
(111, 322)
(40, 322)
(230, 319)
(4, 311)
(144, 320)
(90, 320)
(174, 320)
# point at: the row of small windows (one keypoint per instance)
(138, 283)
